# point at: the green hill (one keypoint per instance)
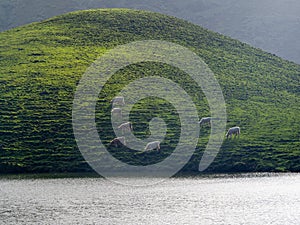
(267, 24)
(42, 63)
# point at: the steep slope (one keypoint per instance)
(42, 63)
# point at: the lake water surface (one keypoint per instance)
(247, 199)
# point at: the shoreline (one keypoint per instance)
(181, 175)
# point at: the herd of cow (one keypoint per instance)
(155, 145)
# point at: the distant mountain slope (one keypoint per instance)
(272, 25)
(41, 64)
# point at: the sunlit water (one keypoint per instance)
(223, 200)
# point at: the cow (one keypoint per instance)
(118, 142)
(116, 112)
(153, 145)
(126, 127)
(233, 130)
(205, 120)
(119, 100)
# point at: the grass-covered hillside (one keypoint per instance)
(271, 25)
(42, 63)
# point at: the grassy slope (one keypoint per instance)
(267, 24)
(41, 64)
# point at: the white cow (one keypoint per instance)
(126, 127)
(116, 112)
(118, 142)
(153, 145)
(233, 130)
(205, 120)
(119, 100)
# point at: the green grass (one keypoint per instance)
(42, 63)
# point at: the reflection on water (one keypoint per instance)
(222, 200)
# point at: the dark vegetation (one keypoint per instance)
(42, 63)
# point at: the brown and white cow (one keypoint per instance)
(118, 142)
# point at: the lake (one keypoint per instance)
(224, 199)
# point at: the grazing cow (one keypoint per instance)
(233, 130)
(119, 100)
(153, 145)
(204, 120)
(118, 142)
(126, 127)
(116, 112)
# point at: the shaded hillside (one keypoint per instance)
(42, 63)
(272, 25)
